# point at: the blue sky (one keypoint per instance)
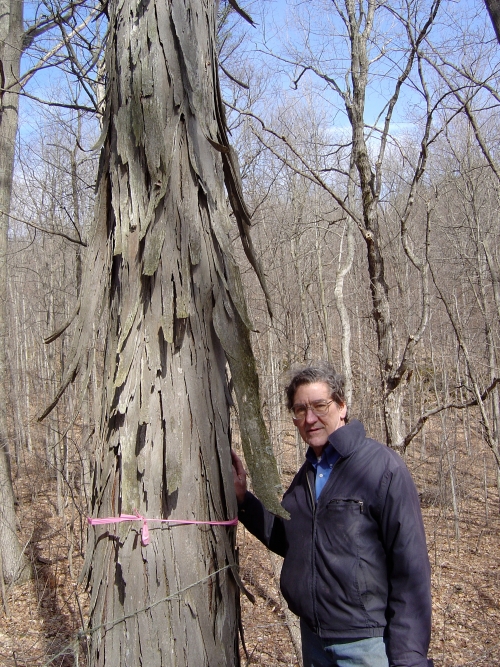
(278, 29)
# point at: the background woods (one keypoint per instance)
(367, 138)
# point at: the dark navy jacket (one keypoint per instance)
(356, 563)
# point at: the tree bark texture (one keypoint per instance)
(11, 23)
(160, 268)
(493, 7)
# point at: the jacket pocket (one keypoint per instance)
(355, 555)
(339, 527)
(340, 548)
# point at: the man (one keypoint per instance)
(356, 569)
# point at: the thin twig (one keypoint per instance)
(42, 229)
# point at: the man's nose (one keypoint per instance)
(310, 416)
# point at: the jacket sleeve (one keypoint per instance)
(408, 571)
(266, 526)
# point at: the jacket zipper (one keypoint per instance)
(312, 495)
(350, 500)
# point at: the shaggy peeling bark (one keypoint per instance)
(160, 270)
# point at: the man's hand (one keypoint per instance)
(239, 478)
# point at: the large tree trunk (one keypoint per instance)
(160, 267)
(11, 19)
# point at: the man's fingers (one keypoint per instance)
(237, 464)
(239, 477)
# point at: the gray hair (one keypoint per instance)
(320, 371)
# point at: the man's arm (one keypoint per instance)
(266, 526)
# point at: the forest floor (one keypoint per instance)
(46, 614)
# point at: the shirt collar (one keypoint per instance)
(328, 456)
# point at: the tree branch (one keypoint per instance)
(44, 59)
(458, 406)
(45, 231)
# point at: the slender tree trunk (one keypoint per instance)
(450, 456)
(495, 397)
(15, 370)
(11, 19)
(323, 314)
(494, 402)
(485, 482)
(305, 344)
(369, 194)
(346, 259)
(25, 364)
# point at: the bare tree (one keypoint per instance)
(16, 40)
(160, 271)
(11, 48)
(358, 28)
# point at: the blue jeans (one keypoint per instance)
(317, 652)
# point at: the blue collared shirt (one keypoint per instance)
(323, 466)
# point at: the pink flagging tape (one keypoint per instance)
(145, 529)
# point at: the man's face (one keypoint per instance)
(315, 429)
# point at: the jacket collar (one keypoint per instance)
(348, 438)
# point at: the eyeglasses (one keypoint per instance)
(320, 408)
